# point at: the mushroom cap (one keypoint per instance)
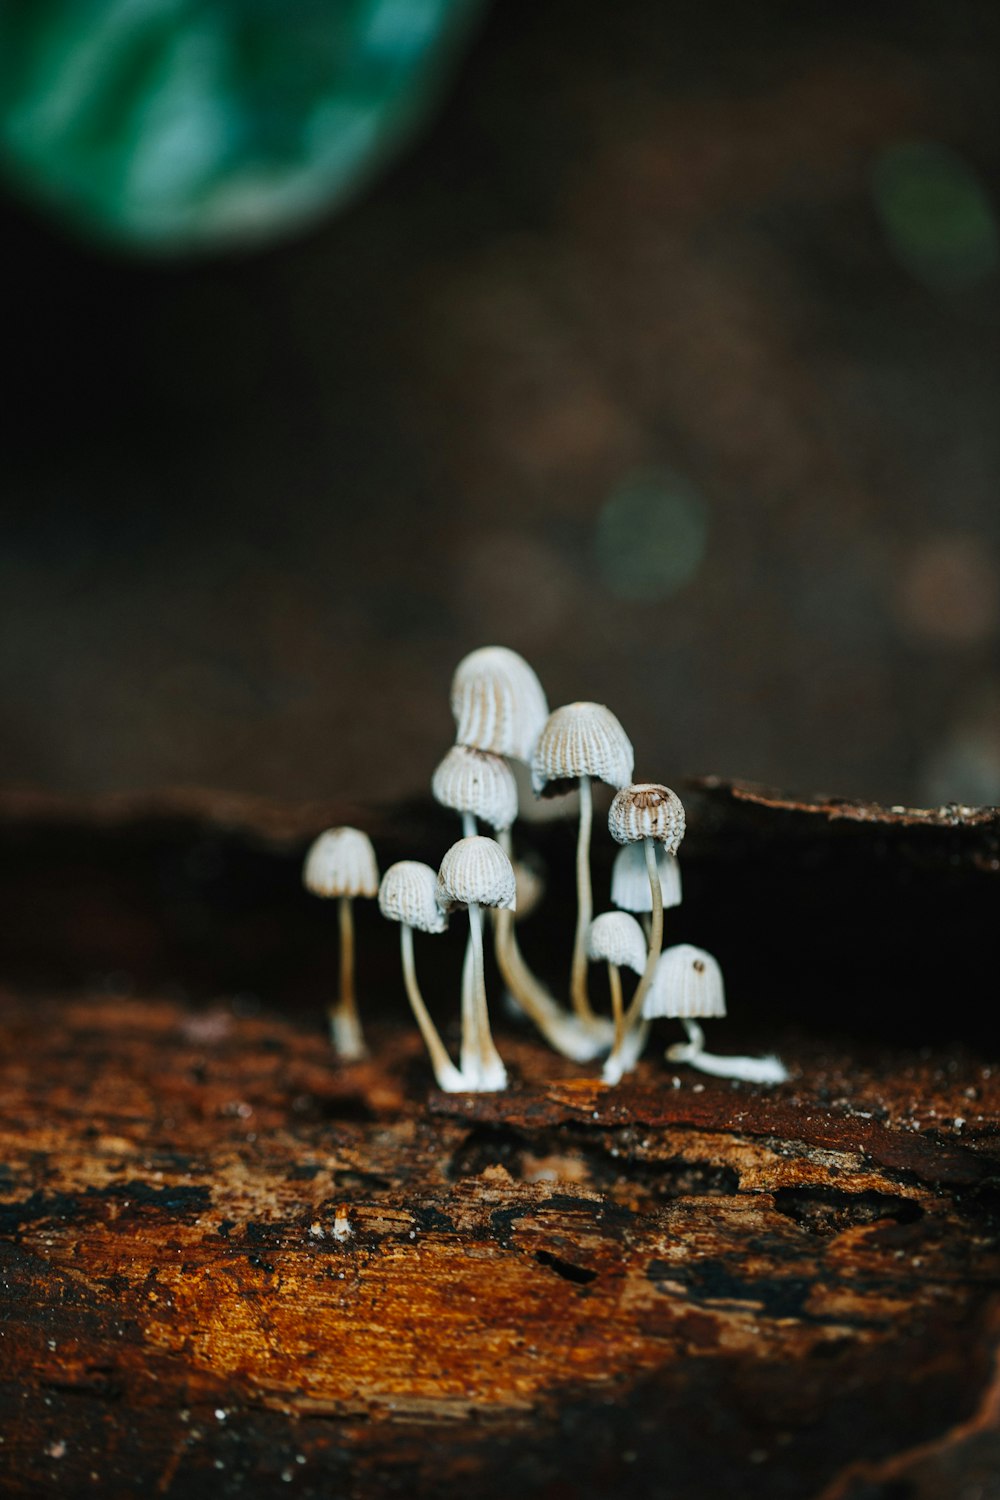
(498, 702)
(647, 811)
(630, 879)
(618, 939)
(476, 781)
(687, 984)
(476, 871)
(408, 894)
(582, 739)
(341, 862)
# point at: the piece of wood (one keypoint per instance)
(232, 1266)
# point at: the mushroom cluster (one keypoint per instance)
(504, 732)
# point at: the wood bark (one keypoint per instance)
(235, 1266)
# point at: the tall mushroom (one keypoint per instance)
(476, 873)
(688, 986)
(617, 938)
(341, 863)
(500, 710)
(580, 741)
(646, 814)
(408, 895)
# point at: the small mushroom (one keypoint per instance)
(580, 741)
(477, 784)
(646, 814)
(617, 938)
(630, 880)
(408, 895)
(688, 986)
(341, 863)
(476, 873)
(498, 702)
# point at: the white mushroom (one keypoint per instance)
(498, 702)
(478, 785)
(630, 879)
(476, 873)
(580, 741)
(499, 709)
(408, 895)
(646, 814)
(617, 938)
(341, 863)
(688, 986)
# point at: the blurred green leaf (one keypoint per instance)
(177, 125)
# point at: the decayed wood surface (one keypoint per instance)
(232, 1266)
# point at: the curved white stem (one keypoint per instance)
(624, 1059)
(562, 1030)
(628, 1050)
(749, 1069)
(448, 1076)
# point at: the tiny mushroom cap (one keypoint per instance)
(476, 872)
(581, 739)
(647, 811)
(687, 985)
(408, 894)
(630, 879)
(618, 939)
(341, 862)
(477, 782)
(498, 702)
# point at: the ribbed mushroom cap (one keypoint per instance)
(687, 985)
(478, 782)
(647, 811)
(498, 702)
(582, 739)
(618, 939)
(630, 879)
(476, 870)
(408, 894)
(341, 862)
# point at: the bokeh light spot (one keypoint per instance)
(948, 591)
(936, 214)
(651, 536)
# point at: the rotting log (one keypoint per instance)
(233, 1266)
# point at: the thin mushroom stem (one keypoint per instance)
(492, 1074)
(345, 1024)
(655, 935)
(617, 1008)
(585, 906)
(448, 1076)
(561, 1030)
(469, 1050)
(469, 830)
(695, 1034)
(623, 1058)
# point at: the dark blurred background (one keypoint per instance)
(666, 352)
